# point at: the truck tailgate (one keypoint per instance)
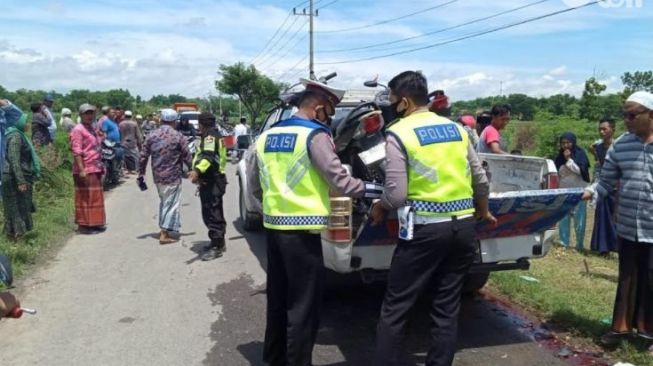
(528, 212)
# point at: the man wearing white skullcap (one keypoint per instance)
(629, 166)
(66, 122)
(169, 152)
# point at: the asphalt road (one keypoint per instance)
(119, 298)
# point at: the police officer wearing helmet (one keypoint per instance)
(294, 167)
(438, 186)
(208, 171)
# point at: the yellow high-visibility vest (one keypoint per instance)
(439, 176)
(295, 196)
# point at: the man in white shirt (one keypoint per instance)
(241, 128)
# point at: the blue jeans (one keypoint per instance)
(579, 214)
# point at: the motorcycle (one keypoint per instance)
(7, 279)
(359, 139)
(243, 143)
(191, 142)
(109, 159)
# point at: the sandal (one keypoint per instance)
(613, 338)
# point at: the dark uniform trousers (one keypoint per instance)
(211, 192)
(295, 282)
(436, 262)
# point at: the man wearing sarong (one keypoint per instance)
(87, 174)
(131, 140)
(169, 153)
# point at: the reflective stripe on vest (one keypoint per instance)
(439, 179)
(295, 220)
(295, 196)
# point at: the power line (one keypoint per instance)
(293, 67)
(389, 20)
(278, 40)
(277, 50)
(278, 30)
(472, 35)
(271, 38)
(327, 5)
(268, 67)
(435, 31)
(296, 74)
(271, 56)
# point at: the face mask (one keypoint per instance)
(390, 113)
(327, 118)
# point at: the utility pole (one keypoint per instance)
(311, 14)
(220, 100)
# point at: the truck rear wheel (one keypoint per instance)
(475, 282)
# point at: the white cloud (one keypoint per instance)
(152, 47)
(560, 70)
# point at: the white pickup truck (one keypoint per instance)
(524, 198)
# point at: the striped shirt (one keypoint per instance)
(629, 163)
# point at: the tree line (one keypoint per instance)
(122, 98)
(250, 92)
(591, 106)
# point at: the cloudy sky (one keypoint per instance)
(175, 46)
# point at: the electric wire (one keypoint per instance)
(288, 71)
(271, 38)
(281, 57)
(389, 20)
(272, 47)
(273, 41)
(327, 5)
(468, 36)
(435, 31)
(281, 48)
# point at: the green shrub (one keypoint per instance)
(541, 137)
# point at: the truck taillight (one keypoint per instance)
(552, 181)
(339, 229)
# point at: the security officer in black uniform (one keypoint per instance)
(208, 169)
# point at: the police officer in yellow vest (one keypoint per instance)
(294, 169)
(208, 169)
(438, 185)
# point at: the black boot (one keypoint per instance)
(220, 244)
(214, 251)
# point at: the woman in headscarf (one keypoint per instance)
(22, 168)
(573, 172)
(40, 124)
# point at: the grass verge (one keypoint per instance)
(575, 294)
(54, 201)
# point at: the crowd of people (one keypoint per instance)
(572, 162)
(161, 138)
(434, 253)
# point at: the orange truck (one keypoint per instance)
(185, 107)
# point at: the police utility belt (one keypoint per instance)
(408, 218)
